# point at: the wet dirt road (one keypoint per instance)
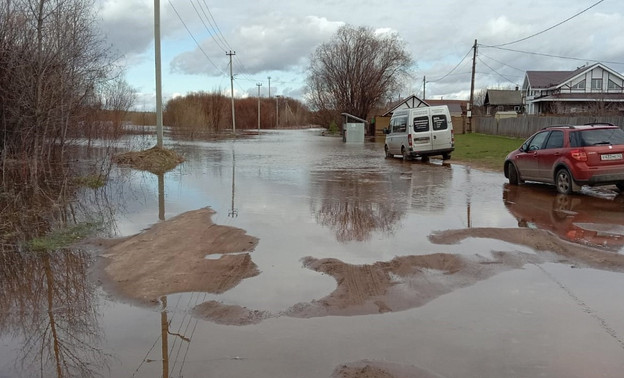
(294, 255)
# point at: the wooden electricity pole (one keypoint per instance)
(472, 83)
(232, 91)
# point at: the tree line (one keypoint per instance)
(202, 113)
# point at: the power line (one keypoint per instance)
(206, 26)
(496, 72)
(454, 68)
(214, 25)
(193, 37)
(550, 28)
(551, 55)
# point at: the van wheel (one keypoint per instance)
(563, 181)
(620, 186)
(388, 154)
(446, 156)
(404, 154)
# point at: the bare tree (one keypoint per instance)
(51, 58)
(356, 70)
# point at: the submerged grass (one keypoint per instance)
(62, 238)
(487, 151)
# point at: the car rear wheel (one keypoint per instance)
(513, 175)
(620, 186)
(446, 156)
(563, 181)
(388, 154)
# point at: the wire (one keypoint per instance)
(193, 37)
(504, 64)
(496, 72)
(550, 28)
(206, 26)
(454, 68)
(215, 26)
(552, 56)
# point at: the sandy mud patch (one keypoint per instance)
(170, 257)
(380, 369)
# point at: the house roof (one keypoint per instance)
(503, 97)
(553, 79)
(455, 106)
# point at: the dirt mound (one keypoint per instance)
(170, 257)
(156, 160)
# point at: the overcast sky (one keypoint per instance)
(275, 38)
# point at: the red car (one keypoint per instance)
(569, 157)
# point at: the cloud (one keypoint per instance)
(279, 43)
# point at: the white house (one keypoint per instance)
(590, 88)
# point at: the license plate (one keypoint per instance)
(611, 157)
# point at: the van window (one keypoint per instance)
(439, 122)
(421, 124)
(399, 124)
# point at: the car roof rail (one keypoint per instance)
(599, 124)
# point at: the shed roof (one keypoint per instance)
(503, 97)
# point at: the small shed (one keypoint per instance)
(353, 129)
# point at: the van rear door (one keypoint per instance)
(442, 136)
(421, 128)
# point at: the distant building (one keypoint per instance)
(586, 89)
(499, 100)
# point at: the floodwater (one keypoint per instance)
(532, 286)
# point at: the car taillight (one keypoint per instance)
(579, 155)
(409, 139)
(452, 136)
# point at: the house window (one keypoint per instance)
(596, 84)
(613, 85)
(579, 85)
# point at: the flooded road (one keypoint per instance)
(344, 264)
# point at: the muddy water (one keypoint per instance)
(365, 264)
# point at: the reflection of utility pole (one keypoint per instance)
(468, 198)
(161, 196)
(232, 91)
(259, 85)
(233, 212)
(164, 335)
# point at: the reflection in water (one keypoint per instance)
(581, 219)
(233, 211)
(161, 196)
(355, 204)
(48, 306)
(48, 302)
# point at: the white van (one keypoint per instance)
(423, 132)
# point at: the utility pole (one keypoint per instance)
(269, 86)
(277, 97)
(159, 121)
(472, 82)
(424, 93)
(259, 85)
(232, 91)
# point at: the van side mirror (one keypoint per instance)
(386, 131)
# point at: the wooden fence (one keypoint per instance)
(523, 127)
